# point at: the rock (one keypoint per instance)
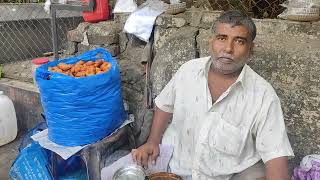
(133, 84)
(131, 73)
(123, 41)
(113, 49)
(121, 18)
(76, 35)
(169, 21)
(208, 19)
(105, 32)
(201, 18)
(294, 73)
(100, 40)
(21, 70)
(161, 36)
(135, 49)
(72, 48)
(82, 48)
(194, 17)
(202, 42)
(145, 126)
(82, 27)
(178, 49)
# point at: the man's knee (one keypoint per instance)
(255, 172)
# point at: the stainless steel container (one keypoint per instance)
(132, 172)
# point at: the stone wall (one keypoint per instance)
(286, 54)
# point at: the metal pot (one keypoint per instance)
(132, 172)
(135, 172)
(164, 176)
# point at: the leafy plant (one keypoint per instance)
(21, 1)
(1, 71)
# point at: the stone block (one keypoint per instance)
(82, 27)
(208, 18)
(161, 36)
(113, 49)
(72, 48)
(201, 18)
(179, 48)
(99, 40)
(20, 70)
(82, 48)
(169, 21)
(75, 36)
(194, 17)
(123, 41)
(121, 18)
(135, 49)
(105, 32)
(202, 42)
(147, 115)
(131, 72)
(133, 83)
(291, 64)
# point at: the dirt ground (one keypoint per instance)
(8, 154)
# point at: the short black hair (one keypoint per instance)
(236, 18)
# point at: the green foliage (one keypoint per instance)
(1, 71)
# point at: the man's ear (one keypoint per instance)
(251, 52)
(210, 42)
(252, 48)
(210, 39)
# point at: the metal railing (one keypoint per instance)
(254, 8)
(25, 30)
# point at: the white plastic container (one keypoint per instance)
(8, 120)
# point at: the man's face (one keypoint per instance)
(230, 48)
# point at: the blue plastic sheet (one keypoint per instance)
(83, 110)
(32, 163)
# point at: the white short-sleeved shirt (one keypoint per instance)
(216, 140)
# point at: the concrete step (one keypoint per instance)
(26, 100)
(8, 154)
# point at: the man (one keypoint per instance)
(225, 117)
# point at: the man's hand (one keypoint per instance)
(277, 169)
(145, 153)
(150, 150)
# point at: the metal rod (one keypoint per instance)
(54, 33)
(72, 7)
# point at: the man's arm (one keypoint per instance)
(159, 124)
(272, 141)
(150, 150)
(277, 169)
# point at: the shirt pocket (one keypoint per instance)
(226, 139)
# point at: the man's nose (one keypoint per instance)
(229, 47)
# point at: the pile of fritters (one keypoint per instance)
(82, 68)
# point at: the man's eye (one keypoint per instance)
(240, 41)
(221, 38)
